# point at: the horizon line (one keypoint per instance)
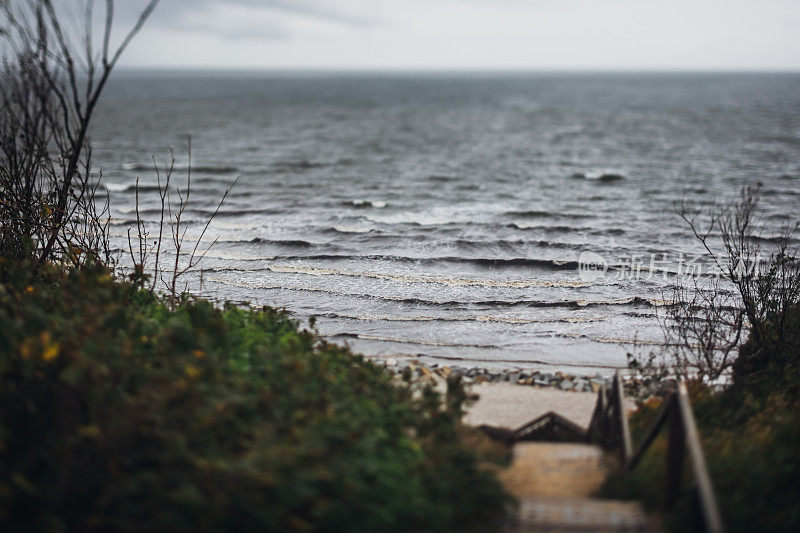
(456, 70)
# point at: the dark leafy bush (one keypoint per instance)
(119, 414)
(750, 439)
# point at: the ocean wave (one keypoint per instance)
(214, 180)
(234, 212)
(220, 169)
(551, 229)
(233, 256)
(290, 243)
(458, 282)
(486, 262)
(606, 177)
(413, 219)
(347, 229)
(541, 362)
(546, 214)
(512, 246)
(547, 264)
(127, 187)
(364, 204)
(300, 164)
(121, 222)
(471, 244)
(475, 318)
(551, 264)
(614, 340)
(401, 340)
(608, 231)
(201, 212)
(115, 187)
(774, 239)
(780, 216)
(452, 304)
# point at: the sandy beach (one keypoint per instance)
(510, 405)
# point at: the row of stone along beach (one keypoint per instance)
(534, 378)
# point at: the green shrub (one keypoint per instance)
(117, 413)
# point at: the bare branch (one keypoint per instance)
(146, 12)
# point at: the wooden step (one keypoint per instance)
(554, 484)
(555, 469)
(577, 514)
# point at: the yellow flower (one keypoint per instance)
(50, 352)
(29, 289)
(50, 349)
(192, 371)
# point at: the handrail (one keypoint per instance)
(544, 427)
(609, 428)
(609, 423)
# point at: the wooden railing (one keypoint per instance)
(609, 428)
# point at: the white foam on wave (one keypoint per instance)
(378, 204)
(352, 229)
(615, 340)
(234, 256)
(474, 318)
(423, 342)
(440, 215)
(117, 187)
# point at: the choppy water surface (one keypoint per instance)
(443, 216)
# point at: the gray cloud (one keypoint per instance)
(182, 14)
(202, 16)
(467, 34)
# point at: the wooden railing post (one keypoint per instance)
(604, 418)
(675, 452)
(626, 447)
(596, 432)
(702, 480)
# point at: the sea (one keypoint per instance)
(499, 220)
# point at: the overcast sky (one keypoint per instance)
(469, 34)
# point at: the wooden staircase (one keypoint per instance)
(558, 467)
(554, 484)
